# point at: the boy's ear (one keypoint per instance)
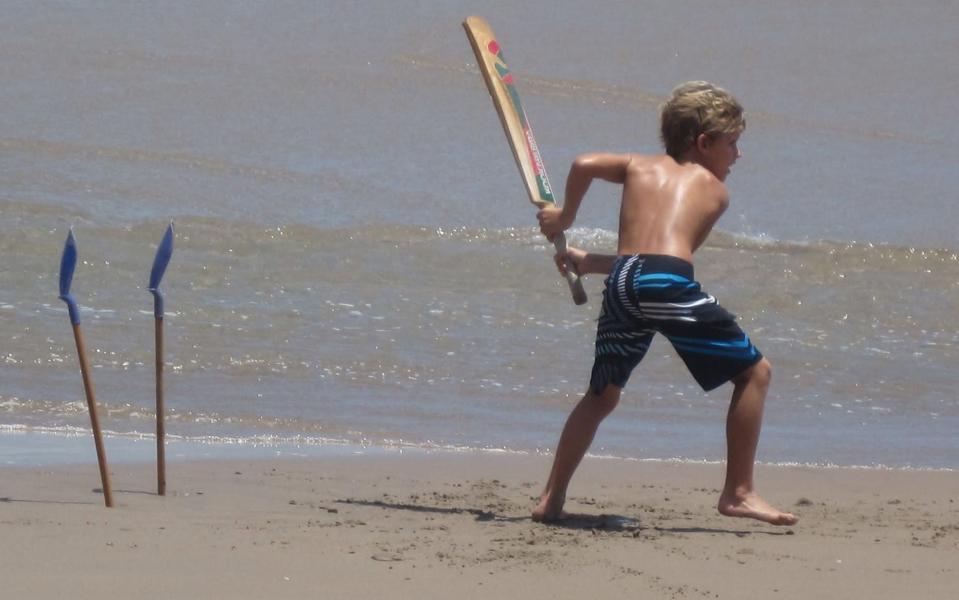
(703, 142)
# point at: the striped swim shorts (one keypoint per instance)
(648, 294)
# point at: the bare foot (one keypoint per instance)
(751, 506)
(548, 510)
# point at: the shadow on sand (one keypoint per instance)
(481, 515)
(575, 521)
(604, 522)
(33, 501)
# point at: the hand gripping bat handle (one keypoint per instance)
(572, 276)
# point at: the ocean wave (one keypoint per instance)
(237, 238)
(591, 236)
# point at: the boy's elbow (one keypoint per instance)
(582, 162)
(611, 167)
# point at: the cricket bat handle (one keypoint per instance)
(572, 276)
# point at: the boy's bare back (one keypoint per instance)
(668, 208)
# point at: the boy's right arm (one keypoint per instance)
(586, 168)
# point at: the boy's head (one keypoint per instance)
(696, 108)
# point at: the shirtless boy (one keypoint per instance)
(669, 205)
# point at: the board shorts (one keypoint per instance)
(648, 294)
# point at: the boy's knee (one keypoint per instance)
(763, 371)
(605, 401)
(760, 373)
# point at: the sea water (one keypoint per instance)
(356, 265)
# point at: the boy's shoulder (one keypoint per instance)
(665, 167)
(664, 177)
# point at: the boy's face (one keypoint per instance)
(720, 153)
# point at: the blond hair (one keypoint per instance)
(695, 108)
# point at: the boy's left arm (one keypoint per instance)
(585, 262)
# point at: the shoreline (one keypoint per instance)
(76, 447)
(428, 525)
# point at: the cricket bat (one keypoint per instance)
(502, 89)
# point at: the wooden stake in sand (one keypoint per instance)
(160, 262)
(68, 263)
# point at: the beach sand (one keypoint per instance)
(448, 525)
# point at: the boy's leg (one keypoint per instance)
(739, 498)
(578, 433)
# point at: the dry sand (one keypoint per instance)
(440, 525)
